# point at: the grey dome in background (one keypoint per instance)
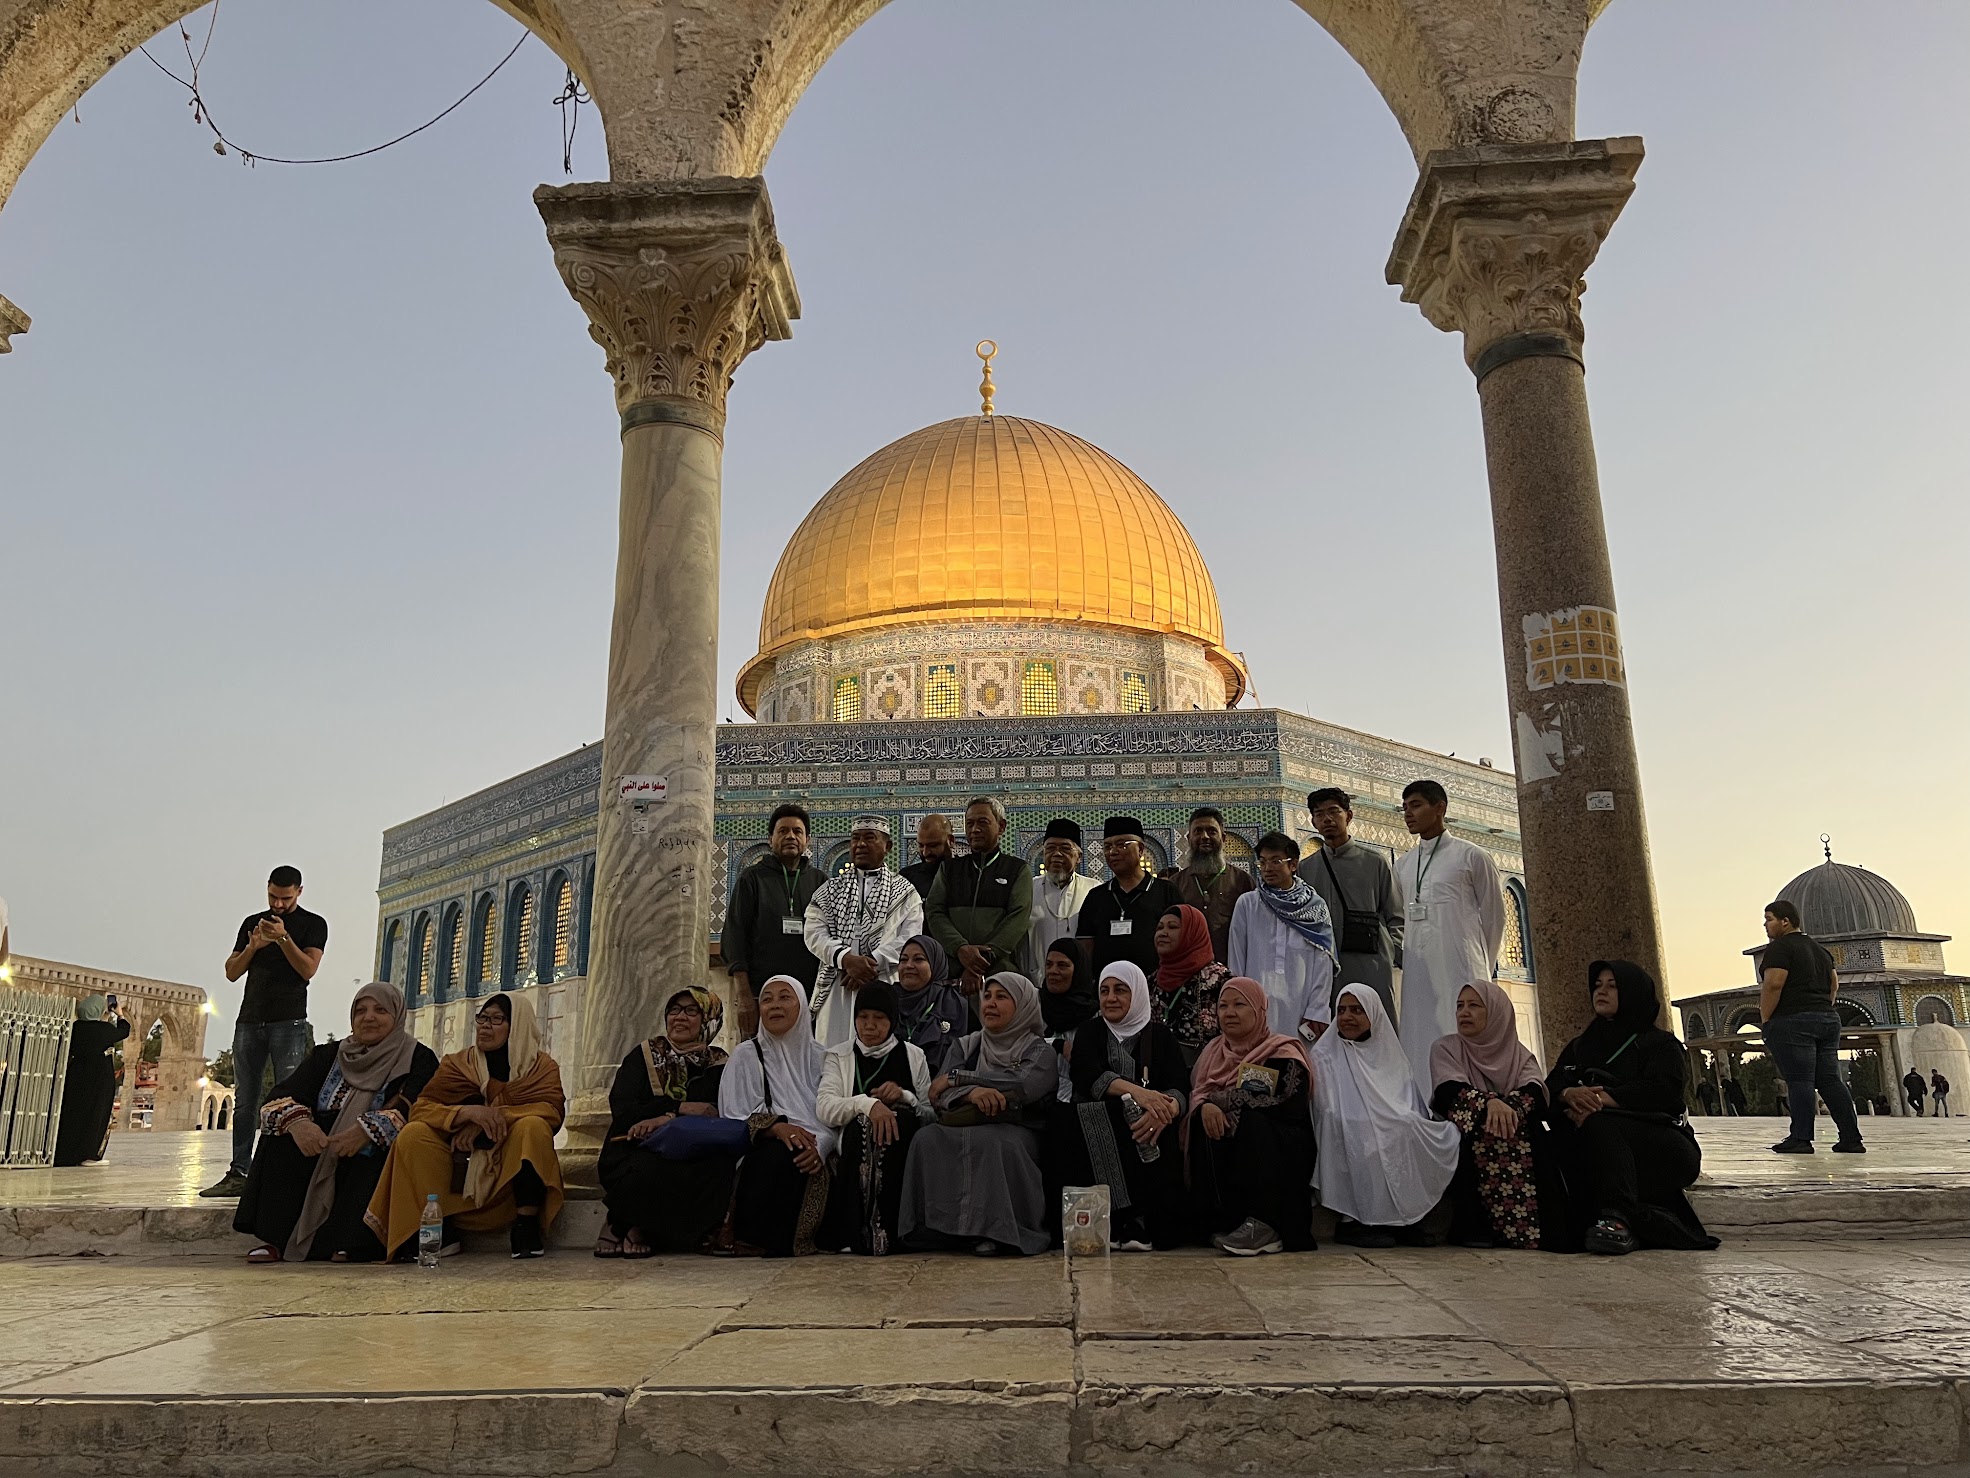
(1834, 898)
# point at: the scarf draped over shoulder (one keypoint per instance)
(1495, 1060)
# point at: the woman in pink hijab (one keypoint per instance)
(1249, 1135)
(1484, 1080)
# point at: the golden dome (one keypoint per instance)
(989, 518)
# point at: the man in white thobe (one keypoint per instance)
(1453, 912)
(1281, 936)
(856, 926)
(1058, 893)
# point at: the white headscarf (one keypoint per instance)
(1383, 1160)
(1137, 1016)
(792, 1060)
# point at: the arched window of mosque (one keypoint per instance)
(1511, 954)
(943, 697)
(424, 945)
(485, 932)
(1853, 1013)
(520, 922)
(562, 891)
(1238, 852)
(1934, 1008)
(848, 699)
(1693, 1028)
(1135, 692)
(452, 964)
(393, 939)
(1039, 689)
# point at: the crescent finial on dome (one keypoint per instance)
(985, 350)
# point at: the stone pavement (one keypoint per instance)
(1770, 1355)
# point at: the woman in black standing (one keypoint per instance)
(89, 1092)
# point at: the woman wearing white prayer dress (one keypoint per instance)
(1384, 1161)
(773, 1083)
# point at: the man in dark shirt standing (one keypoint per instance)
(1119, 918)
(1208, 883)
(766, 916)
(933, 846)
(1802, 1030)
(278, 951)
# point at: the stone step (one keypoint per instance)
(1137, 1414)
(1738, 1214)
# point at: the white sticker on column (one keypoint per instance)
(1600, 800)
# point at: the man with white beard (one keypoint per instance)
(1058, 893)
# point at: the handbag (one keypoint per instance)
(698, 1137)
(1361, 928)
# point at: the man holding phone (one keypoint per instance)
(278, 950)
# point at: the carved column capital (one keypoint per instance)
(12, 321)
(680, 280)
(1498, 238)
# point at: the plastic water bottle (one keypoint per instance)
(430, 1232)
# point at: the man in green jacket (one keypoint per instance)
(981, 904)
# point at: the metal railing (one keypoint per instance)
(34, 1032)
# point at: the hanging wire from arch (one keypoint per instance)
(202, 110)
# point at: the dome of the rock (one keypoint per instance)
(989, 537)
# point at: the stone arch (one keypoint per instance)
(1852, 1012)
(53, 51)
(1934, 1008)
(1453, 72)
(1693, 1027)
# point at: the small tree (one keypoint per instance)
(220, 1068)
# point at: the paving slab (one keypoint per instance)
(1178, 1294)
(1020, 1360)
(533, 1350)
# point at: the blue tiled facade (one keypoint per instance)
(534, 835)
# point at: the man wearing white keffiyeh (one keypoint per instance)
(856, 927)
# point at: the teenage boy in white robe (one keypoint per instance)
(1282, 937)
(1453, 921)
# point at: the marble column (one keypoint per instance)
(680, 282)
(1494, 245)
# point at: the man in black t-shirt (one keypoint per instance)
(278, 950)
(1802, 1030)
(1118, 919)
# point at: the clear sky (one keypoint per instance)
(307, 508)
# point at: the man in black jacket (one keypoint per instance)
(763, 923)
(933, 846)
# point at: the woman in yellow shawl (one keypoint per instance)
(498, 1102)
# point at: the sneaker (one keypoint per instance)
(230, 1188)
(1850, 1147)
(1134, 1244)
(1253, 1238)
(525, 1238)
(1610, 1237)
(985, 1247)
(1793, 1147)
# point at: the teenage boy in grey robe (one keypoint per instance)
(1351, 877)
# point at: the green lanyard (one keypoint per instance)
(1621, 1049)
(862, 1084)
(1423, 864)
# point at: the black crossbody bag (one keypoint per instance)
(1361, 928)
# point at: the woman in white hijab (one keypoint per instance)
(973, 1178)
(1384, 1162)
(773, 1083)
(1122, 1130)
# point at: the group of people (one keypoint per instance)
(928, 1055)
(1936, 1089)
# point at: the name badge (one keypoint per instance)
(1121, 926)
(1417, 911)
(790, 926)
